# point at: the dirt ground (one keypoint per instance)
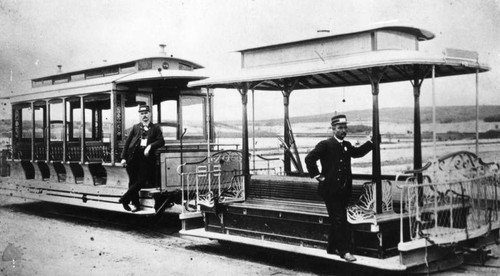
(41, 238)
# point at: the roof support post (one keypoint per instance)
(286, 129)
(286, 89)
(47, 132)
(32, 105)
(417, 136)
(82, 130)
(418, 78)
(112, 104)
(375, 75)
(243, 89)
(477, 112)
(419, 73)
(65, 128)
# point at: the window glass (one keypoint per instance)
(169, 119)
(26, 124)
(98, 119)
(39, 120)
(132, 102)
(56, 121)
(193, 116)
(73, 117)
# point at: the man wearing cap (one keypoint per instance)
(335, 181)
(138, 158)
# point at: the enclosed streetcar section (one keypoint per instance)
(68, 133)
(423, 219)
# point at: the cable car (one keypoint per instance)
(418, 220)
(68, 132)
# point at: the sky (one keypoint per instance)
(36, 36)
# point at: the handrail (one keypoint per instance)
(421, 170)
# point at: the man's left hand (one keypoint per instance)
(146, 150)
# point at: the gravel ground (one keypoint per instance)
(41, 238)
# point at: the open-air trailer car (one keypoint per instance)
(418, 220)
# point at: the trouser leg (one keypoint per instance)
(338, 237)
(141, 171)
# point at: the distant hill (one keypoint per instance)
(444, 114)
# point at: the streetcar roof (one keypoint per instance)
(73, 72)
(419, 33)
(104, 78)
(340, 60)
(348, 70)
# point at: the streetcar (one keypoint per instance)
(68, 132)
(419, 220)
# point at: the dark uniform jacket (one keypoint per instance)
(335, 165)
(155, 139)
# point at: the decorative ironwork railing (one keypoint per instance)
(451, 211)
(212, 181)
(364, 210)
(457, 199)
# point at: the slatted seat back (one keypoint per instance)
(56, 151)
(73, 151)
(97, 152)
(284, 188)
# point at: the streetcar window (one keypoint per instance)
(193, 116)
(73, 117)
(56, 121)
(98, 118)
(26, 125)
(131, 111)
(169, 119)
(40, 120)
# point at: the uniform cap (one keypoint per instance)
(339, 119)
(144, 108)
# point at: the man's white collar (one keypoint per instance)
(340, 141)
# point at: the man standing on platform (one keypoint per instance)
(138, 158)
(335, 182)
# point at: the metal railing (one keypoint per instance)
(449, 212)
(214, 180)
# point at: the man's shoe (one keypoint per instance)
(348, 257)
(125, 205)
(136, 208)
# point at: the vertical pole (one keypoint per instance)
(434, 128)
(47, 132)
(113, 107)
(417, 137)
(477, 112)
(286, 134)
(32, 131)
(376, 170)
(253, 128)
(82, 131)
(375, 75)
(207, 128)
(15, 131)
(65, 131)
(244, 142)
(158, 115)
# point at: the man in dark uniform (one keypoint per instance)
(335, 181)
(137, 156)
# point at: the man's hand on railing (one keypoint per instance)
(124, 163)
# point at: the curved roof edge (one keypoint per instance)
(420, 34)
(343, 63)
(195, 65)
